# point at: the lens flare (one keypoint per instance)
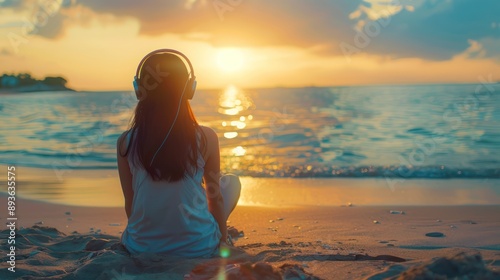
(225, 252)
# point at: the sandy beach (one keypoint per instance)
(326, 242)
(365, 136)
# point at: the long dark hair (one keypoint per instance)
(153, 118)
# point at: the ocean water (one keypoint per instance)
(423, 131)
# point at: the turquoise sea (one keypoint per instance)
(421, 131)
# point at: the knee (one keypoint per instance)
(230, 181)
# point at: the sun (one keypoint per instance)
(230, 60)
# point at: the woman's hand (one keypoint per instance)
(227, 249)
(227, 242)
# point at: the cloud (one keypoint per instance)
(437, 29)
(491, 47)
(5, 52)
(475, 50)
(52, 28)
(10, 3)
(254, 23)
(45, 18)
(429, 29)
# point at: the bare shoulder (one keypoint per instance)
(210, 134)
(121, 143)
(212, 142)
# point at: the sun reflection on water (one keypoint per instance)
(233, 101)
(239, 151)
(230, 135)
(234, 105)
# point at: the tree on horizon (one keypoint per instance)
(25, 79)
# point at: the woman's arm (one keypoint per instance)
(125, 174)
(211, 177)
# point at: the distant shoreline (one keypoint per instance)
(35, 88)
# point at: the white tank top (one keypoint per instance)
(170, 218)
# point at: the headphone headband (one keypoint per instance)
(144, 59)
(190, 86)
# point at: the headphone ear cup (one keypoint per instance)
(136, 88)
(191, 88)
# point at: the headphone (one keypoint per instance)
(190, 83)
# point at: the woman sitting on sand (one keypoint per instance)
(175, 199)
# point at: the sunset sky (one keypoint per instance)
(97, 44)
